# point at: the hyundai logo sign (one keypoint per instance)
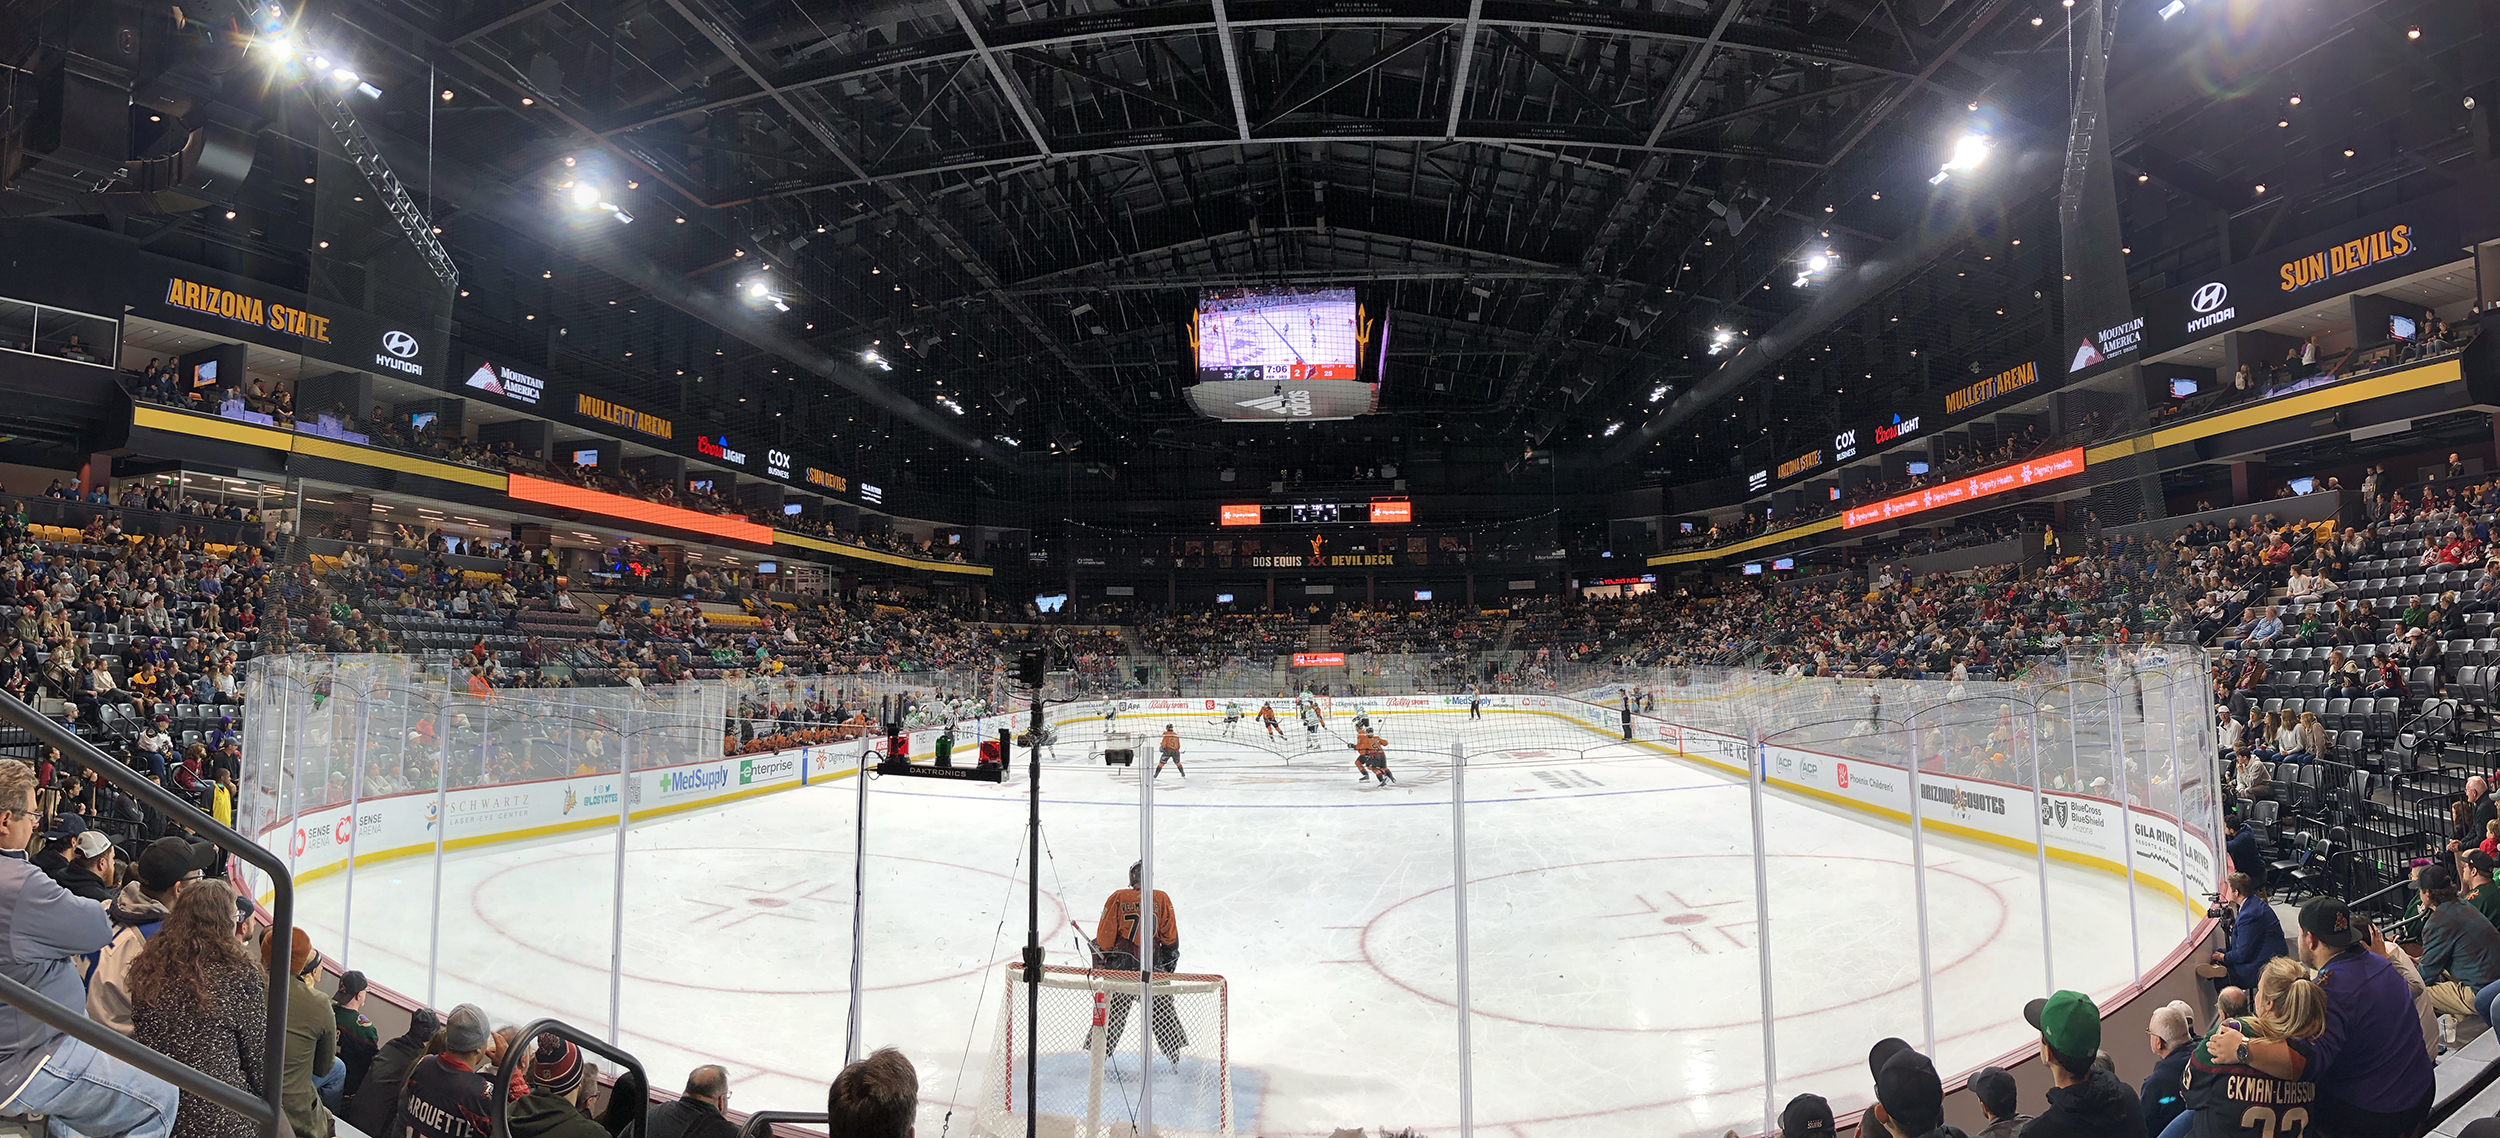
(399, 353)
(2212, 301)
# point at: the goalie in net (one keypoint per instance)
(1086, 1084)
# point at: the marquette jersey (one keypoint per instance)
(2243, 1102)
(1117, 931)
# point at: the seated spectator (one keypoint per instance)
(167, 867)
(1807, 1116)
(447, 1095)
(875, 1097)
(2085, 1101)
(376, 1099)
(2374, 1080)
(698, 1112)
(197, 995)
(1909, 1098)
(76, 1088)
(2164, 1092)
(2458, 943)
(1994, 1088)
(89, 871)
(560, 1090)
(2291, 1011)
(312, 1038)
(2256, 933)
(358, 1039)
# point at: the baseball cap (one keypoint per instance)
(2478, 860)
(1910, 1093)
(2435, 877)
(67, 825)
(1994, 1088)
(2068, 1023)
(2330, 920)
(351, 982)
(168, 861)
(91, 843)
(1882, 1052)
(1806, 1116)
(465, 1029)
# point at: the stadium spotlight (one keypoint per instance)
(1611, 428)
(584, 195)
(1720, 338)
(1659, 392)
(872, 359)
(2173, 8)
(1970, 153)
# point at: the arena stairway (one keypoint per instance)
(2463, 1085)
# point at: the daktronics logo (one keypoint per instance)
(692, 781)
(2212, 301)
(1970, 489)
(719, 448)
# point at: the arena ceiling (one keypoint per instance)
(1014, 204)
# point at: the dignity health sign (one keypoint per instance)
(1971, 489)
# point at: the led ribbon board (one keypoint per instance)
(1971, 489)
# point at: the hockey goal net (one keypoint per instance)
(1089, 1084)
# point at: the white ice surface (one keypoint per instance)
(1615, 959)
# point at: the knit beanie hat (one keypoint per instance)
(556, 1069)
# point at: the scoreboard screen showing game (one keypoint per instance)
(1284, 355)
(1272, 335)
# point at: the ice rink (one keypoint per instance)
(1613, 904)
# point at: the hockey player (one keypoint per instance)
(1475, 704)
(1171, 752)
(1371, 757)
(1267, 719)
(1232, 715)
(1115, 949)
(1310, 726)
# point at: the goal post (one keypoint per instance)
(1089, 1081)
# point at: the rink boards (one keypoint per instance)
(2149, 846)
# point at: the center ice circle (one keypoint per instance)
(1551, 946)
(755, 911)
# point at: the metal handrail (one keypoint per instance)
(270, 1109)
(525, 1044)
(760, 1124)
